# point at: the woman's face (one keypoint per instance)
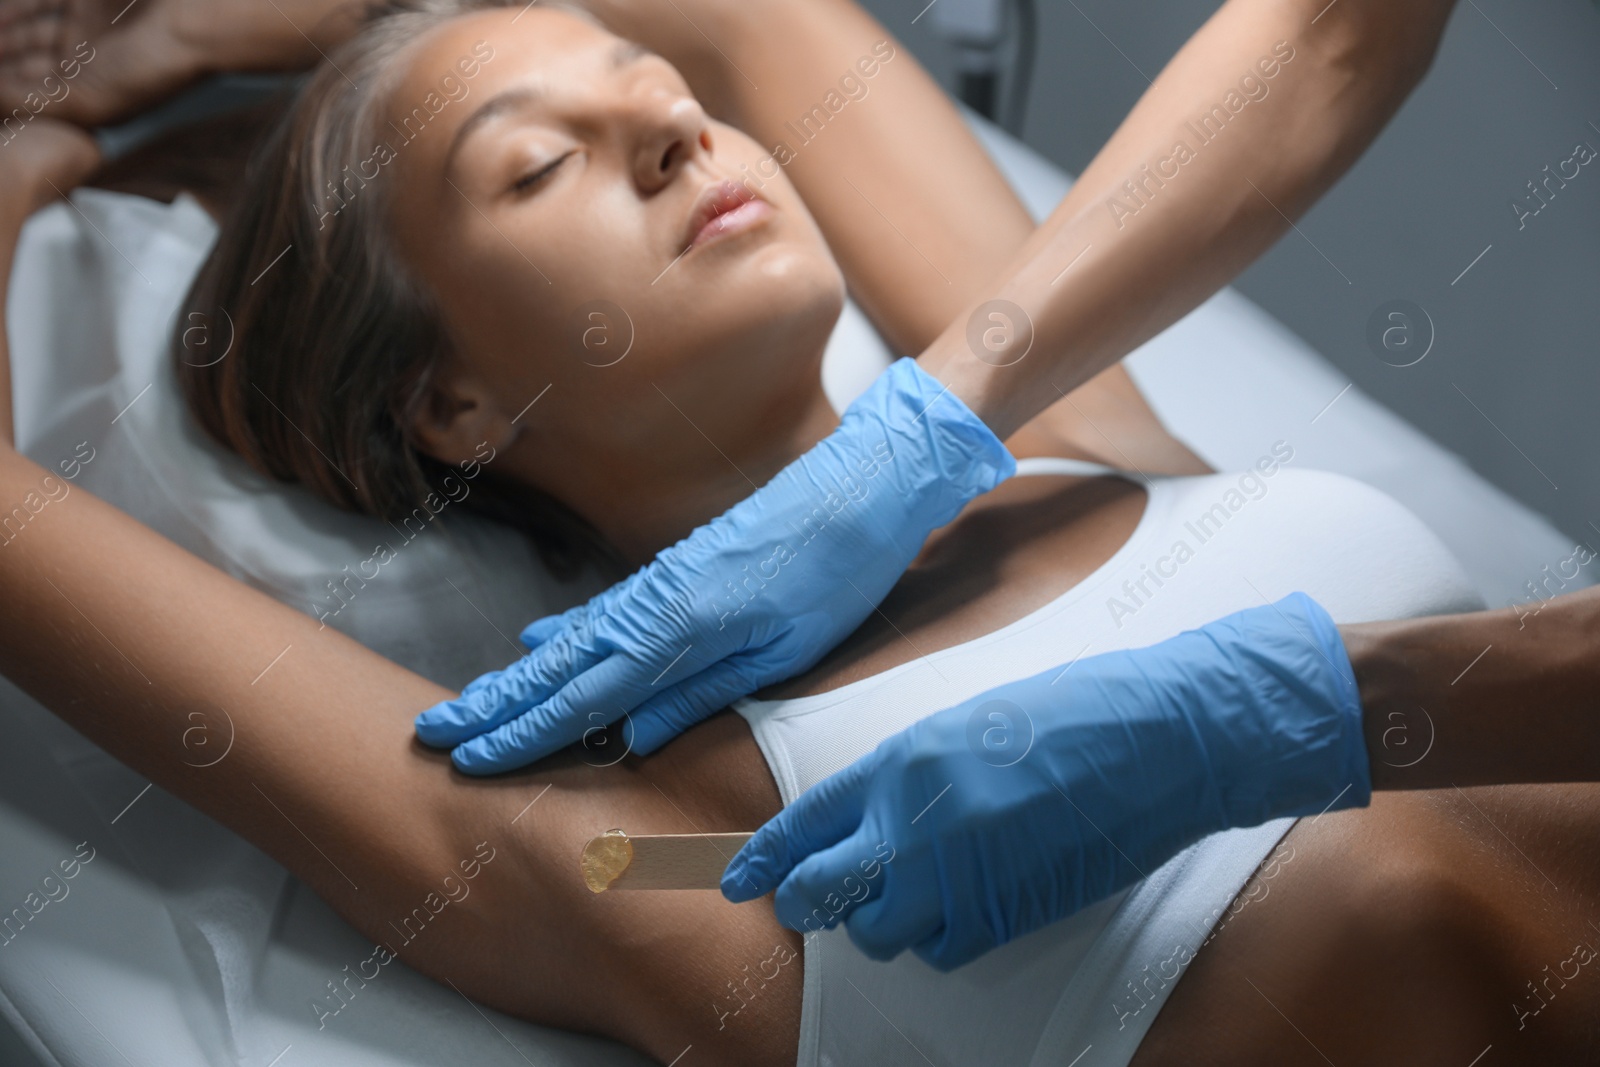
(585, 227)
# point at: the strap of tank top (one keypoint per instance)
(1077, 468)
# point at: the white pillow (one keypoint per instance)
(92, 310)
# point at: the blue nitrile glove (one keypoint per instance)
(756, 596)
(1029, 802)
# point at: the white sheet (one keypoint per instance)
(182, 945)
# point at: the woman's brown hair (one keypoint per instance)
(331, 344)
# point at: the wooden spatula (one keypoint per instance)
(615, 860)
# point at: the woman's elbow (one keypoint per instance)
(1387, 48)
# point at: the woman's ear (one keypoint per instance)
(457, 416)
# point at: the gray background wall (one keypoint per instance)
(1514, 87)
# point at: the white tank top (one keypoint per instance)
(1090, 986)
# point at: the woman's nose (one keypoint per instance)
(673, 129)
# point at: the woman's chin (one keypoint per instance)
(802, 308)
(792, 265)
(796, 283)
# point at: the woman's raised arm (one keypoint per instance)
(134, 641)
(95, 62)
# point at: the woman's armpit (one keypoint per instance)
(658, 971)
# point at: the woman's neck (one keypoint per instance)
(692, 471)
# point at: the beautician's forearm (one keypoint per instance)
(1351, 68)
(1493, 697)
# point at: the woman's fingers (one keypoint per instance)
(13, 12)
(20, 74)
(36, 32)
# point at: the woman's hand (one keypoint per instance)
(91, 62)
(43, 163)
(95, 62)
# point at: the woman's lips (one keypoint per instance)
(722, 209)
(741, 218)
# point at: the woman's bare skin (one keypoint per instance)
(143, 52)
(1421, 930)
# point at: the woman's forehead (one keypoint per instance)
(449, 72)
(517, 37)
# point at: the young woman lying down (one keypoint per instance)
(537, 164)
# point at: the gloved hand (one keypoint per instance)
(756, 596)
(1038, 798)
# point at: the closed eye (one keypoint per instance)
(529, 181)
